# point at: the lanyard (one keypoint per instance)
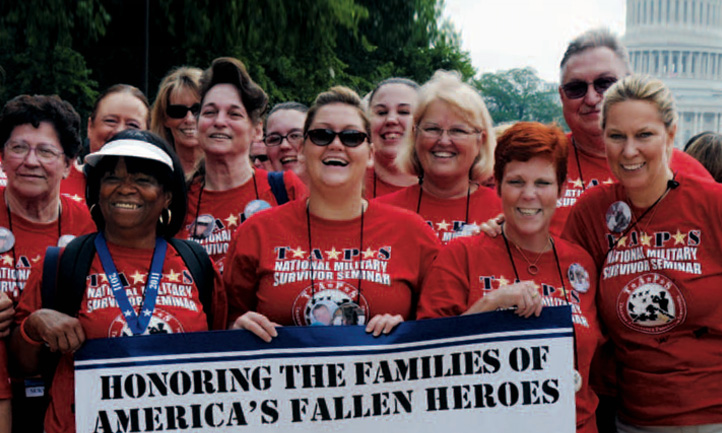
(136, 324)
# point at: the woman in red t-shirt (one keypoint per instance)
(451, 154)
(227, 189)
(391, 108)
(137, 282)
(333, 258)
(656, 240)
(526, 267)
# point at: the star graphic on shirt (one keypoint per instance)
(173, 277)
(147, 312)
(76, 198)
(369, 253)
(298, 253)
(232, 220)
(7, 259)
(622, 242)
(645, 239)
(333, 254)
(36, 258)
(443, 225)
(138, 277)
(609, 181)
(103, 278)
(127, 313)
(678, 237)
(576, 183)
(502, 281)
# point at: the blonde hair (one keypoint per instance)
(447, 86)
(642, 88)
(338, 95)
(182, 78)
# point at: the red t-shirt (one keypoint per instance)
(659, 298)
(595, 171)
(270, 257)
(468, 268)
(376, 187)
(178, 309)
(5, 388)
(73, 186)
(31, 240)
(221, 212)
(447, 216)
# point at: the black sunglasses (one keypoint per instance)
(578, 89)
(348, 137)
(262, 158)
(179, 111)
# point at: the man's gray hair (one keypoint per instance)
(596, 38)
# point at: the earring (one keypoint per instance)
(165, 220)
(92, 208)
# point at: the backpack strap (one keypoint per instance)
(278, 187)
(201, 269)
(72, 268)
(50, 277)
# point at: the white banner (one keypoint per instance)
(491, 372)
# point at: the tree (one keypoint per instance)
(519, 95)
(38, 55)
(406, 38)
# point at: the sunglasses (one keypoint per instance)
(179, 111)
(262, 158)
(578, 89)
(348, 137)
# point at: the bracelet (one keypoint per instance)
(25, 335)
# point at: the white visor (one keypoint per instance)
(134, 148)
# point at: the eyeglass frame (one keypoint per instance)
(599, 88)
(455, 136)
(340, 135)
(195, 109)
(284, 137)
(28, 148)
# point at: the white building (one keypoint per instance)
(680, 41)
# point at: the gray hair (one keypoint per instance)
(595, 38)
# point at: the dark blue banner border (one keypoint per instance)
(552, 318)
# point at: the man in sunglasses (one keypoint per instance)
(592, 63)
(258, 155)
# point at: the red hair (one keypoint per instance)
(526, 140)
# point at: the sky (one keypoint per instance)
(506, 34)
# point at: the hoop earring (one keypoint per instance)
(165, 220)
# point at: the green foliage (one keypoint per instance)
(519, 95)
(294, 49)
(38, 55)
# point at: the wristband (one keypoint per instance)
(25, 335)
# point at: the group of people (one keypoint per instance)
(407, 204)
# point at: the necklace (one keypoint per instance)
(671, 184)
(579, 166)
(312, 258)
(421, 193)
(565, 292)
(10, 228)
(532, 268)
(198, 205)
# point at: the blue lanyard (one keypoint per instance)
(136, 324)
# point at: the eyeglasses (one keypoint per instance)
(44, 154)
(348, 137)
(578, 89)
(261, 158)
(294, 138)
(435, 132)
(179, 111)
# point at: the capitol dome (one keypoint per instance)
(680, 42)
